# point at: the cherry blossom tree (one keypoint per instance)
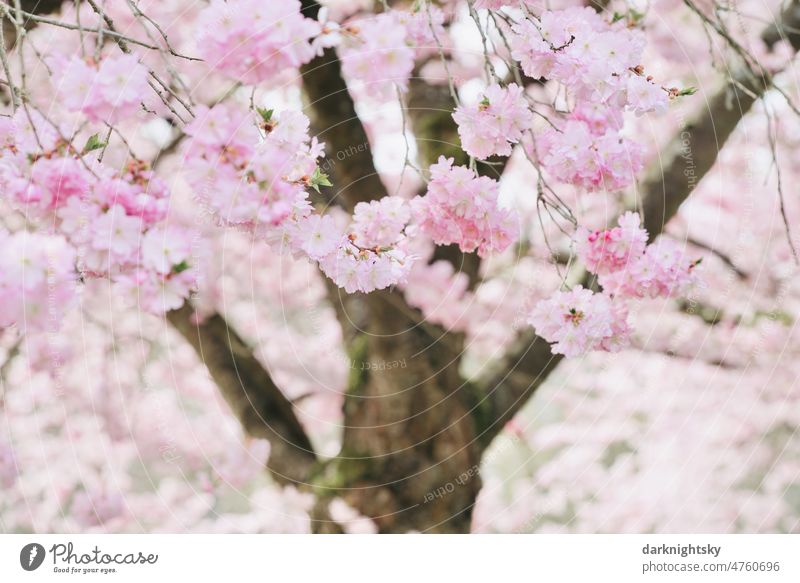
(348, 242)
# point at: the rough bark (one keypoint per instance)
(409, 457)
(249, 390)
(409, 430)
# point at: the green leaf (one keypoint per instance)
(266, 114)
(687, 91)
(319, 178)
(93, 143)
(180, 267)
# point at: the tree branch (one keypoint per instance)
(785, 28)
(669, 181)
(248, 388)
(509, 385)
(692, 152)
(255, 399)
(334, 115)
(720, 255)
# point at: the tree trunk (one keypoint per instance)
(410, 456)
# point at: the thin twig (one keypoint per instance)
(720, 255)
(15, 99)
(773, 144)
(117, 36)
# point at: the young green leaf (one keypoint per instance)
(266, 114)
(319, 178)
(93, 143)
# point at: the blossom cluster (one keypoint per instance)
(491, 126)
(462, 208)
(253, 41)
(589, 155)
(379, 55)
(663, 270)
(379, 52)
(380, 223)
(357, 269)
(246, 176)
(599, 64)
(111, 221)
(257, 176)
(580, 320)
(109, 91)
(629, 268)
(612, 249)
(424, 28)
(370, 254)
(597, 60)
(38, 280)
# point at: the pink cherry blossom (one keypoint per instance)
(613, 249)
(113, 91)
(164, 249)
(321, 236)
(664, 270)
(372, 256)
(104, 219)
(247, 180)
(627, 268)
(378, 55)
(355, 269)
(117, 208)
(579, 321)
(254, 41)
(574, 154)
(644, 96)
(380, 223)
(38, 281)
(425, 29)
(490, 127)
(462, 208)
(117, 232)
(596, 60)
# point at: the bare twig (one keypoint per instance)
(773, 145)
(719, 255)
(82, 29)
